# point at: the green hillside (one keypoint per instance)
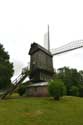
(41, 111)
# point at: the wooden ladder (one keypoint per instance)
(16, 83)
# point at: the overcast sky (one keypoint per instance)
(24, 21)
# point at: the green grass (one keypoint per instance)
(41, 111)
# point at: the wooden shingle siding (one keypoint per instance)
(41, 63)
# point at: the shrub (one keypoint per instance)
(81, 91)
(21, 90)
(56, 88)
(74, 91)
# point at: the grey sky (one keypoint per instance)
(25, 21)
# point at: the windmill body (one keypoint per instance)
(41, 63)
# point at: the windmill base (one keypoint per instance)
(37, 90)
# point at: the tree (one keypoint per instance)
(81, 76)
(56, 88)
(70, 77)
(6, 68)
(74, 91)
(81, 90)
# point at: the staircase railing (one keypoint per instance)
(16, 83)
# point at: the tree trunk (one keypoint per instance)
(57, 98)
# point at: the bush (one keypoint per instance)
(81, 91)
(74, 91)
(56, 88)
(21, 90)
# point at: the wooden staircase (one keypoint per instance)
(16, 83)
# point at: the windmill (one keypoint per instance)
(41, 63)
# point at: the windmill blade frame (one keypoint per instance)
(67, 47)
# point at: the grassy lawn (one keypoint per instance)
(41, 111)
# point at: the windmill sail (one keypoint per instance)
(47, 40)
(68, 47)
